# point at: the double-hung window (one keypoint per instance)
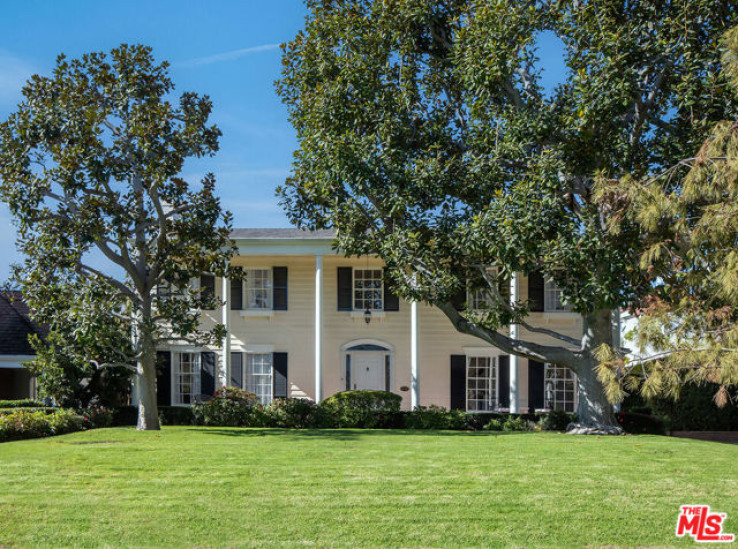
(481, 383)
(258, 289)
(368, 290)
(553, 298)
(186, 378)
(559, 389)
(259, 375)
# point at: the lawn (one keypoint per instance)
(220, 487)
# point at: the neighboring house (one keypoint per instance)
(308, 322)
(15, 327)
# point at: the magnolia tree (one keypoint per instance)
(89, 166)
(426, 137)
(687, 329)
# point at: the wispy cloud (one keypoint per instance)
(14, 72)
(226, 56)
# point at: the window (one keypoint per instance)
(186, 378)
(553, 298)
(559, 388)
(368, 290)
(258, 289)
(481, 298)
(481, 383)
(259, 376)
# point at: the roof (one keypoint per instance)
(282, 234)
(15, 325)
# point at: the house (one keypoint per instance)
(309, 322)
(15, 327)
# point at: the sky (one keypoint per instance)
(226, 49)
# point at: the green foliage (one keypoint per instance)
(23, 403)
(640, 424)
(231, 407)
(90, 163)
(28, 424)
(556, 420)
(517, 424)
(362, 409)
(295, 413)
(435, 417)
(177, 415)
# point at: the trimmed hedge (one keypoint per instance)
(23, 403)
(230, 407)
(23, 425)
(362, 409)
(173, 415)
(639, 424)
(46, 410)
(295, 413)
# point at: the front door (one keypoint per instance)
(367, 371)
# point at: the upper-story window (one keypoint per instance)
(258, 289)
(368, 290)
(553, 298)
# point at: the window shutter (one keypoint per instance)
(535, 291)
(458, 382)
(237, 370)
(279, 375)
(345, 290)
(207, 286)
(237, 293)
(503, 381)
(536, 383)
(391, 301)
(207, 373)
(164, 378)
(279, 288)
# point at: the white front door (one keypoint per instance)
(367, 371)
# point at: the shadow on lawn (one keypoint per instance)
(337, 434)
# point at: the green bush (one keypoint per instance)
(517, 424)
(435, 417)
(640, 423)
(23, 403)
(231, 407)
(22, 424)
(362, 409)
(124, 416)
(5, 411)
(294, 413)
(175, 415)
(556, 420)
(97, 417)
(66, 421)
(494, 425)
(477, 421)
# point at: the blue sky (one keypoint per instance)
(226, 49)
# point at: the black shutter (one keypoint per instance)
(279, 375)
(237, 370)
(207, 373)
(458, 382)
(391, 301)
(164, 378)
(535, 291)
(279, 288)
(207, 286)
(345, 291)
(237, 293)
(535, 385)
(503, 380)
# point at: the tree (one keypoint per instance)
(89, 163)
(426, 137)
(687, 327)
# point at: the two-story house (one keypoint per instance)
(309, 322)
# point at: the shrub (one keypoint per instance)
(362, 409)
(556, 420)
(640, 423)
(97, 416)
(494, 425)
(477, 421)
(176, 415)
(22, 424)
(517, 424)
(435, 417)
(294, 413)
(231, 407)
(23, 403)
(66, 421)
(5, 411)
(124, 415)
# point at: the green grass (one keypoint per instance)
(210, 487)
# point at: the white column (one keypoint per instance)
(414, 353)
(318, 328)
(226, 320)
(514, 358)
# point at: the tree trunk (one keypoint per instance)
(594, 409)
(148, 413)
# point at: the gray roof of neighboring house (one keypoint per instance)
(15, 325)
(282, 234)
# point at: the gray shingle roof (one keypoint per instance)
(281, 234)
(15, 325)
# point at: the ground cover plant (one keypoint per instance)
(229, 487)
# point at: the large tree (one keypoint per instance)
(426, 137)
(89, 163)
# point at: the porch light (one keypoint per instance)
(367, 315)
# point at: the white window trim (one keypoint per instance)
(550, 287)
(494, 271)
(245, 373)
(174, 374)
(494, 365)
(574, 380)
(355, 311)
(246, 311)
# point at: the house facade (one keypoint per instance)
(15, 327)
(308, 322)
